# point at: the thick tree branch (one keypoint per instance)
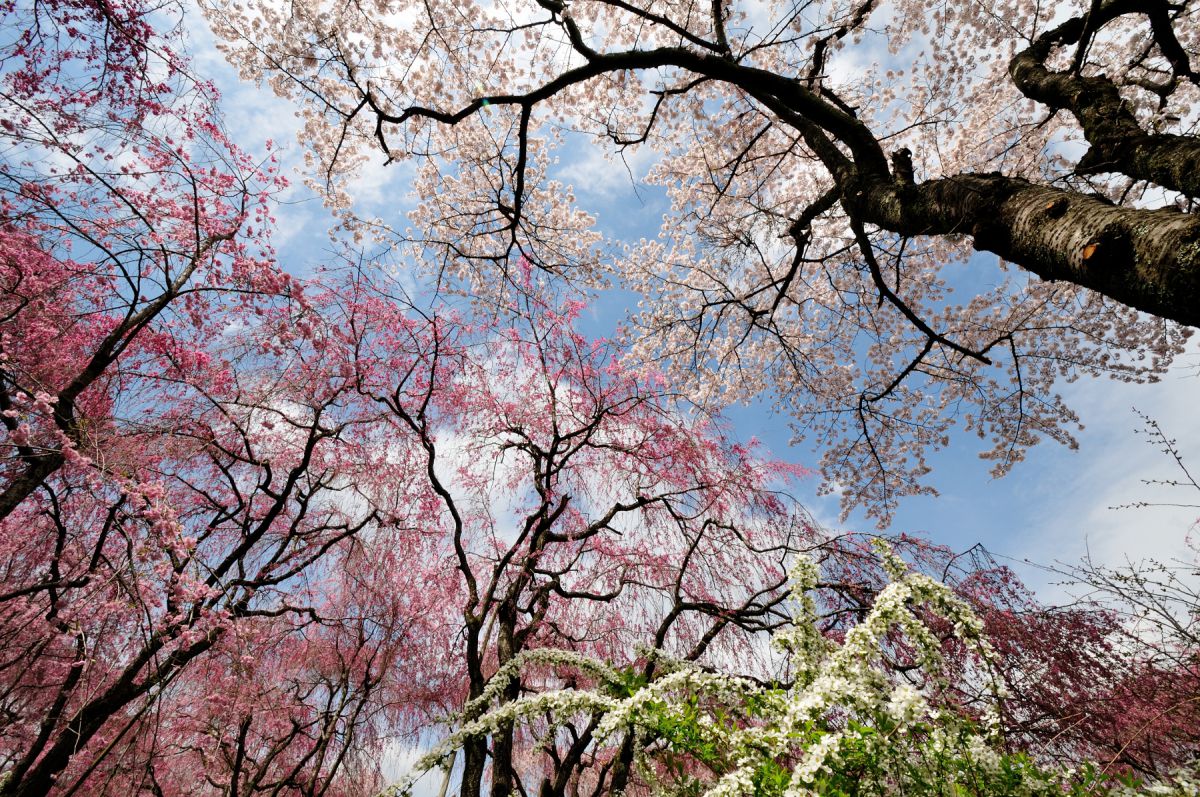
(1147, 259)
(1118, 142)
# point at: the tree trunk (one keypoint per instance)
(474, 759)
(503, 776)
(474, 748)
(1147, 259)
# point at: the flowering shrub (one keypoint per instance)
(848, 723)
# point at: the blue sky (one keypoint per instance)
(1054, 506)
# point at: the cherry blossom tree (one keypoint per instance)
(233, 559)
(153, 526)
(235, 550)
(1148, 610)
(847, 722)
(831, 166)
(587, 515)
(255, 529)
(125, 210)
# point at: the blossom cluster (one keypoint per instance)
(846, 715)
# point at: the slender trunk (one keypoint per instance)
(446, 776)
(503, 776)
(556, 785)
(474, 759)
(474, 749)
(623, 766)
(502, 772)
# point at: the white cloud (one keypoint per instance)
(595, 172)
(1077, 509)
(252, 115)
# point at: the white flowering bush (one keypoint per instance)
(848, 723)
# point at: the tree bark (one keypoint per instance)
(1147, 259)
(1118, 142)
(474, 748)
(503, 776)
(474, 759)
